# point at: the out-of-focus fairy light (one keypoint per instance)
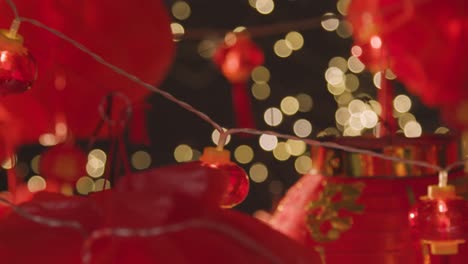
(303, 164)
(9, 162)
(177, 31)
(273, 116)
(302, 128)
(35, 164)
(252, 3)
(377, 79)
(36, 183)
(344, 98)
(96, 164)
(258, 172)
(294, 40)
(355, 65)
(305, 102)
(296, 147)
(282, 49)
(243, 154)
(239, 29)
(329, 22)
(402, 103)
(48, 140)
(342, 6)
(289, 105)
(356, 51)
(404, 118)
(345, 29)
(260, 74)
(412, 129)
(261, 91)
(376, 107)
(230, 39)
(356, 107)
(268, 142)
(281, 152)
(84, 185)
(206, 48)
(181, 10)
(351, 82)
(265, 7)
(376, 42)
(338, 62)
(215, 137)
(355, 123)
(342, 115)
(99, 185)
(389, 74)
(183, 153)
(442, 130)
(369, 119)
(336, 89)
(142, 160)
(351, 132)
(334, 76)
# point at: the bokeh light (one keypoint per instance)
(181, 10)
(215, 137)
(305, 102)
(289, 105)
(273, 116)
(260, 74)
(36, 183)
(294, 40)
(84, 185)
(258, 172)
(402, 103)
(243, 154)
(412, 129)
(183, 153)
(282, 49)
(265, 7)
(329, 22)
(268, 142)
(261, 91)
(142, 160)
(302, 128)
(281, 152)
(303, 164)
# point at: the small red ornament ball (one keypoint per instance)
(65, 163)
(17, 66)
(238, 187)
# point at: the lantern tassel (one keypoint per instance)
(242, 106)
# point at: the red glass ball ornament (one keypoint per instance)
(17, 66)
(64, 163)
(238, 186)
(441, 221)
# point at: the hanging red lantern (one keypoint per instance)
(65, 163)
(70, 84)
(355, 209)
(423, 41)
(236, 58)
(440, 219)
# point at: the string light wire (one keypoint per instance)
(51, 222)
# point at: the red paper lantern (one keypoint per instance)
(424, 42)
(236, 58)
(70, 84)
(64, 163)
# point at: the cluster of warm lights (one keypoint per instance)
(293, 41)
(181, 11)
(263, 7)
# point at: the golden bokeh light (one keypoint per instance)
(260, 74)
(258, 172)
(294, 40)
(356, 107)
(268, 142)
(305, 102)
(48, 140)
(334, 76)
(345, 29)
(330, 23)
(351, 132)
(302, 128)
(265, 7)
(289, 105)
(344, 98)
(389, 74)
(376, 42)
(355, 122)
(296, 147)
(376, 107)
(282, 49)
(181, 10)
(442, 130)
(351, 82)
(36, 183)
(9, 162)
(303, 164)
(183, 153)
(96, 164)
(206, 48)
(342, 6)
(142, 160)
(99, 185)
(215, 137)
(355, 64)
(369, 119)
(281, 152)
(243, 154)
(342, 116)
(84, 185)
(412, 129)
(35, 164)
(261, 91)
(177, 31)
(273, 116)
(404, 118)
(336, 89)
(338, 62)
(377, 80)
(402, 103)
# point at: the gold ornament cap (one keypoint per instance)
(214, 155)
(441, 192)
(449, 247)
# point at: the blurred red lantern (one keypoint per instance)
(70, 84)
(424, 42)
(236, 58)
(64, 163)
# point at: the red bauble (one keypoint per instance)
(70, 84)
(17, 66)
(424, 42)
(65, 163)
